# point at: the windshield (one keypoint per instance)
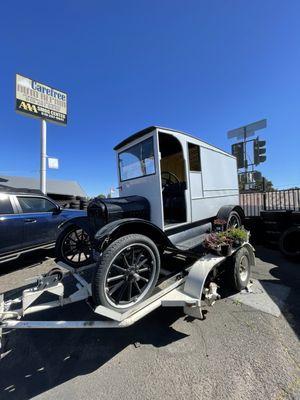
(137, 161)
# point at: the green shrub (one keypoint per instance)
(237, 234)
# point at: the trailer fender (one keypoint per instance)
(225, 211)
(122, 227)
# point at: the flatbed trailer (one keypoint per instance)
(183, 289)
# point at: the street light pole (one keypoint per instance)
(43, 164)
(245, 152)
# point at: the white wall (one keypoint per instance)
(215, 186)
(219, 173)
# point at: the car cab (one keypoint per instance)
(187, 181)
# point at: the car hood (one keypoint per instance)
(75, 213)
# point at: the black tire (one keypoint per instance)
(240, 269)
(75, 205)
(67, 242)
(289, 242)
(124, 294)
(83, 205)
(234, 220)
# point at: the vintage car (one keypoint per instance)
(172, 186)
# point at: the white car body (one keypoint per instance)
(207, 190)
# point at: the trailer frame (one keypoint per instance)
(183, 289)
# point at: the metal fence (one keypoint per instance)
(254, 202)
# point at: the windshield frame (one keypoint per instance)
(140, 143)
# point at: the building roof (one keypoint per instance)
(54, 186)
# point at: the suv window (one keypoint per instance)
(5, 205)
(194, 157)
(137, 161)
(35, 204)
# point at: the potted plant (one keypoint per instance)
(218, 243)
(238, 236)
(221, 242)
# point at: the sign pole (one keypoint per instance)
(43, 165)
(245, 154)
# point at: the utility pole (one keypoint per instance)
(239, 150)
(245, 153)
(43, 163)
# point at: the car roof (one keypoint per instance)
(21, 192)
(135, 136)
(143, 132)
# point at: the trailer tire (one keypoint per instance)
(240, 269)
(289, 242)
(123, 257)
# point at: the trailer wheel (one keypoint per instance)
(240, 269)
(234, 220)
(127, 272)
(289, 242)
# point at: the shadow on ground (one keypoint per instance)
(41, 360)
(286, 272)
(36, 361)
(28, 260)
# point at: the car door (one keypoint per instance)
(11, 226)
(139, 174)
(39, 218)
(198, 210)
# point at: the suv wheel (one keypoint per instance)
(73, 247)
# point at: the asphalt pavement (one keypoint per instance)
(241, 350)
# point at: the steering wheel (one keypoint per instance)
(168, 178)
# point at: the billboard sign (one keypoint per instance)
(41, 101)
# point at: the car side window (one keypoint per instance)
(35, 204)
(5, 205)
(194, 157)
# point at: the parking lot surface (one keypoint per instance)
(240, 351)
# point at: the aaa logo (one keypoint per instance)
(28, 107)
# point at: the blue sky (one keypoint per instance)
(203, 67)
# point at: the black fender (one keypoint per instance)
(121, 227)
(81, 222)
(224, 212)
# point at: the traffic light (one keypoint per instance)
(237, 150)
(259, 150)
